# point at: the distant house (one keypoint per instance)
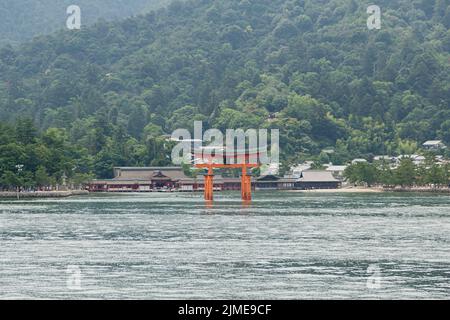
(388, 159)
(355, 161)
(317, 180)
(337, 171)
(406, 156)
(434, 145)
(418, 160)
(441, 161)
(328, 151)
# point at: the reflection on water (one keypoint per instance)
(282, 245)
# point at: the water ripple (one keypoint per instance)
(283, 245)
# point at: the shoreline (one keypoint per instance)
(420, 190)
(42, 194)
(342, 190)
(377, 190)
(71, 193)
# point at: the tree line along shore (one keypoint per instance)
(44, 161)
(430, 175)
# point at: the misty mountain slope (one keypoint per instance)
(310, 68)
(21, 20)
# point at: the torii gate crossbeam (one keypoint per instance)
(246, 179)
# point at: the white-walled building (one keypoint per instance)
(434, 145)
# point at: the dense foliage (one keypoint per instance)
(310, 68)
(38, 161)
(406, 174)
(21, 20)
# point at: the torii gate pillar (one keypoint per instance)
(246, 185)
(246, 180)
(209, 185)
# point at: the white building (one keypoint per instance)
(355, 161)
(337, 171)
(434, 145)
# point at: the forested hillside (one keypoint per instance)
(310, 68)
(23, 19)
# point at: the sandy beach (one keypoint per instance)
(342, 190)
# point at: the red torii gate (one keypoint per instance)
(246, 179)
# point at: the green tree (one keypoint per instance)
(386, 176)
(25, 131)
(436, 175)
(444, 131)
(405, 174)
(80, 179)
(11, 180)
(362, 172)
(41, 177)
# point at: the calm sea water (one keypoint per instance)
(282, 246)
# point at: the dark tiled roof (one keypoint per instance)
(269, 177)
(149, 173)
